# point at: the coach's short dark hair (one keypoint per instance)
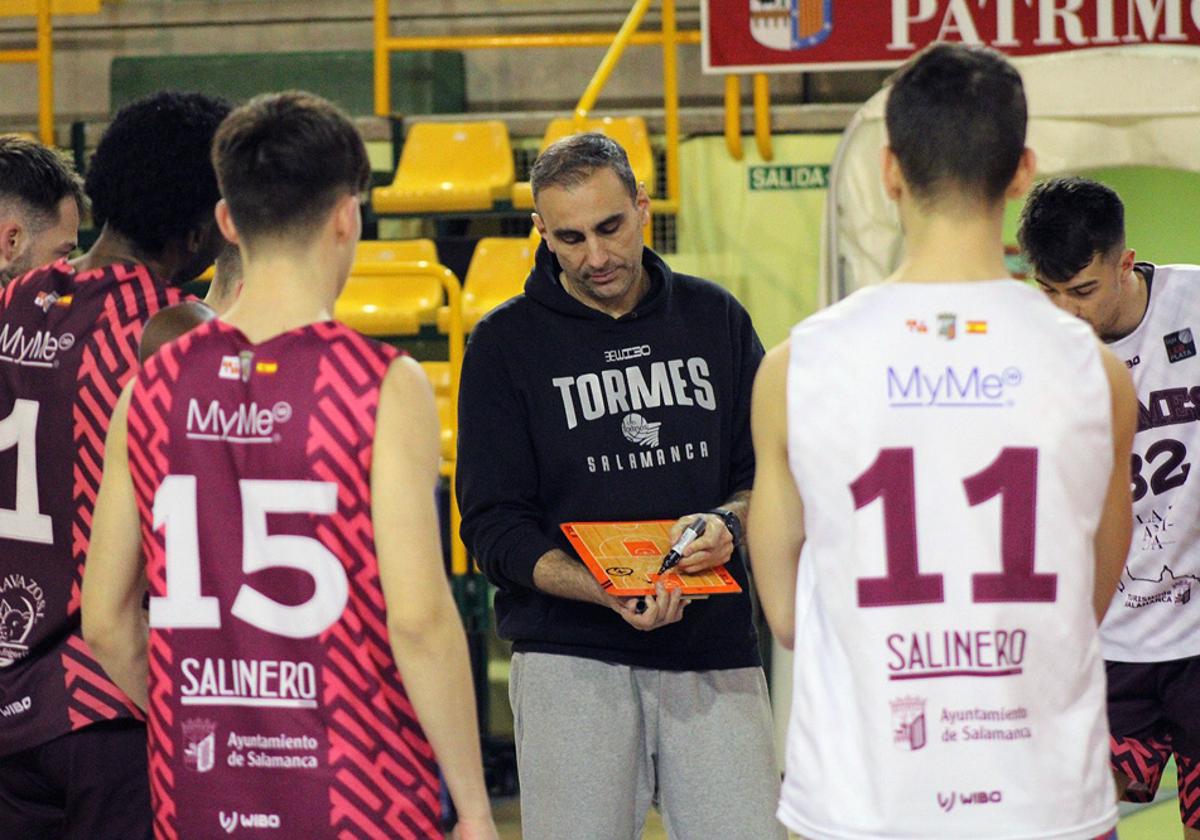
(284, 159)
(956, 119)
(572, 160)
(36, 178)
(151, 177)
(1068, 222)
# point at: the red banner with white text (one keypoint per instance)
(782, 35)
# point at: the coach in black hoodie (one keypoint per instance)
(616, 390)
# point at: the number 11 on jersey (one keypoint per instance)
(1012, 477)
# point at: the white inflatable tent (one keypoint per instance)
(1090, 109)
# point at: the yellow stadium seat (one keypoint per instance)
(439, 377)
(450, 166)
(448, 431)
(497, 272)
(629, 132)
(396, 250)
(388, 303)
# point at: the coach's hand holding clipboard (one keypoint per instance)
(625, 557)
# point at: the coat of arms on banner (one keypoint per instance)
(791, 24)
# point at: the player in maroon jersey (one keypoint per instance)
(304, 670)
(72, 745)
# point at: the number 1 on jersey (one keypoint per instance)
(24, 521)
(1012, 477)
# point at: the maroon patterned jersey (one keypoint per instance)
(275, 703)
(68, 344)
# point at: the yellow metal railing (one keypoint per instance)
(42, 56)
(733, 116)
(762, 116)
(669, 36)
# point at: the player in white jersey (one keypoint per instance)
(1073, 232)
(941, 510)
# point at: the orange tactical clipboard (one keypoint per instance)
(625, 556)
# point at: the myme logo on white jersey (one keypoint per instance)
(36, 349)
(951, 387)
(243, 423)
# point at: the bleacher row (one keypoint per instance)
(468, 166)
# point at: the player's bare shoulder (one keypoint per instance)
(170, 323)
(405, 380)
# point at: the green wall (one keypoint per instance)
(1162, 211)
(754, 226)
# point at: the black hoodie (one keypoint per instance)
(557, 423)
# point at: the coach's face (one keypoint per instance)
(595, 230)
(1101, 294)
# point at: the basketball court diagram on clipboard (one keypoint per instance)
(624, 557)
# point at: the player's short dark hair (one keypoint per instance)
(572, 160)
(284, 159)
(151, 178)
(36, 179)
(956, 120)
(1066, 223)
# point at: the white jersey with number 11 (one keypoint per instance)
(952, 443)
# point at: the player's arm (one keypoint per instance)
(424, 628)
(1116, 520)
(114, 624)
(776, 527)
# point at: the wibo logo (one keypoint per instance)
(947, 801)
(233, 819)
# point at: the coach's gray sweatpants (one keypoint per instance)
(598, 743)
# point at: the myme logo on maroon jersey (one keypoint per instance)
(38, 349)
(243, 423)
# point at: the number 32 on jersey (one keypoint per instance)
(184, 606)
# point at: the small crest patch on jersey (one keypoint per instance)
(231, 368)
(1180, 345)
(916, 325)
(947, 325)
(908, 722)
(245, 362)
(44, 300)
